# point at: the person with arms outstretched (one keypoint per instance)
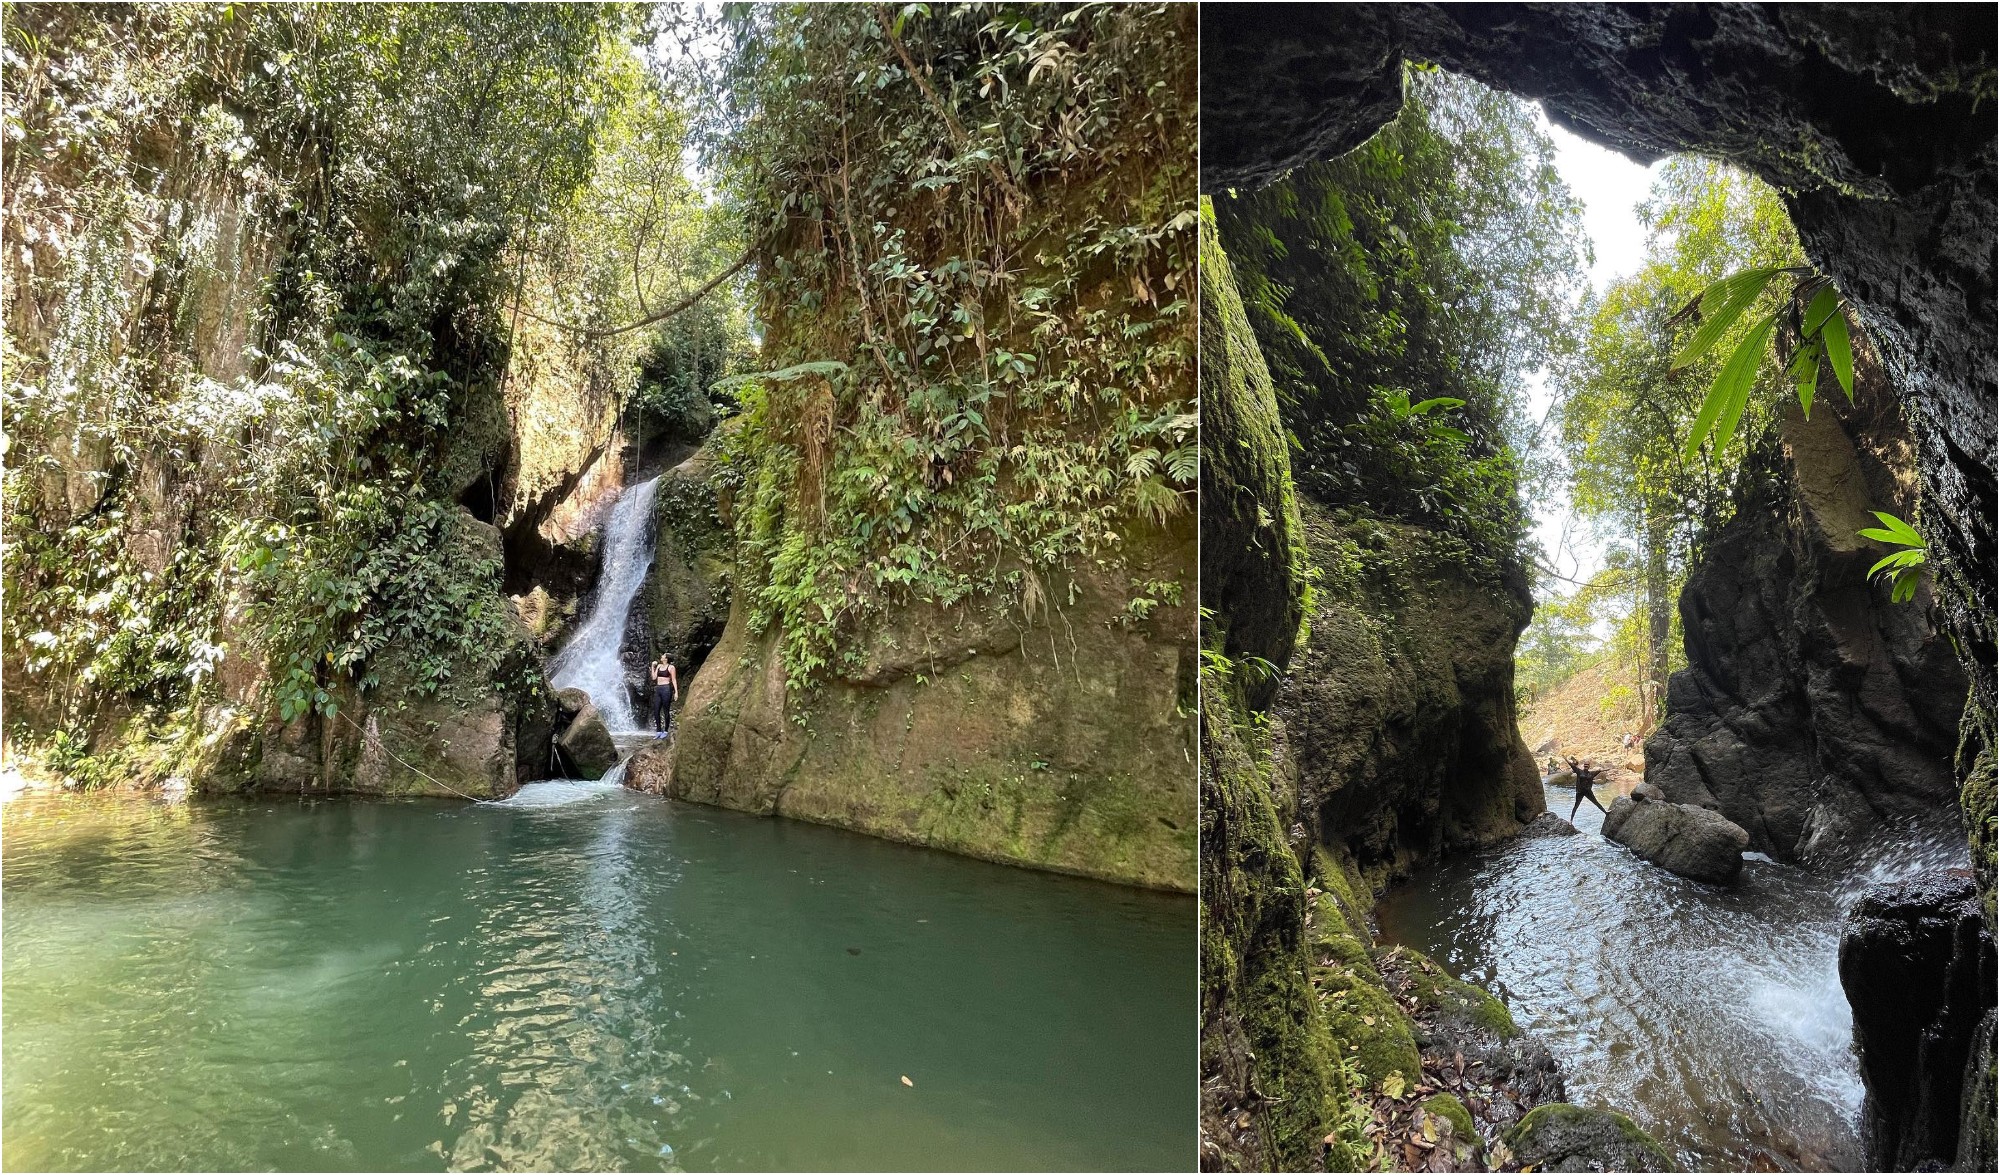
(1586, 779)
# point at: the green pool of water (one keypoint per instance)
(582, 978)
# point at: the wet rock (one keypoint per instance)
(571, 702)
(1812, 710)
(1548, 824)
(1647, 791)
(1693, 842)
(1917, 963)
(587, 748)
(1564, 1137)
(685, 602)
(1978, 1122)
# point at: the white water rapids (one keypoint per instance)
(590, 661)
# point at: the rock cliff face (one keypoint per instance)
(1059, 740)
(1812, 709)
(1400, 706)
(1380, 734)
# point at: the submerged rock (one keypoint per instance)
(587, 746)
(1681, 838)
(1563, 1137)
(1917, 964)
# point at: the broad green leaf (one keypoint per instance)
(1840, 354)
(1423, 406)
(1821, 310)
(1729, 298)
(1905, 589)
(1904, 532)
(1704, 420)
(1737, 376)
(1806, 371)
(1899, 559)
(1727, 288)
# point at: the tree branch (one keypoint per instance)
(656, 316)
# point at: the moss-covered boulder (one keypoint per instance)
(1564, 1137)
(1457, 1131)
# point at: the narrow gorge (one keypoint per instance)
(1726, 664)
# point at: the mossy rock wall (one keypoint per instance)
(1401, 702)
(687, 592)
(1253, 568)
(1060, 741)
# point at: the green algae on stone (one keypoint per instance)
(1564, 1137)
(1435, 990)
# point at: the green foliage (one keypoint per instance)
(1400, 296)
(1817, 321)
(206, 461)
(1629, 394)
(1901, 567)
(999, 251)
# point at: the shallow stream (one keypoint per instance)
(580, 977)
(1713, 1015)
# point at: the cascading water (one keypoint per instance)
(1713, 1015)
(590, 661)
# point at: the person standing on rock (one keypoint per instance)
(1586, 780)
(666, 683)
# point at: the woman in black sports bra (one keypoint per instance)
(666, 683)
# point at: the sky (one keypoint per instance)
(1609, 186)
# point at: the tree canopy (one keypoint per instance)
(1402, 295)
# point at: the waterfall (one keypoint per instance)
(590, 660)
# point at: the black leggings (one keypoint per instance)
(663, 708)
(1582, 794)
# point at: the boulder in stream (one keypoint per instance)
(1563, 1137)
(1547, 824)
(587, 747)
(1681, 838)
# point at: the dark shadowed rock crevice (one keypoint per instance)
(1917, 964)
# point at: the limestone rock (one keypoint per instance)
(1564, 1137)
(1681, 838)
